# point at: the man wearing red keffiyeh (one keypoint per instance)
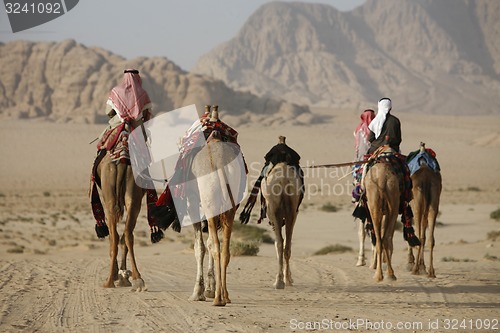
(128, 106)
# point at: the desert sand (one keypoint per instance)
(52, 266)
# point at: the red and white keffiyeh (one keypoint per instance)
(128, 98)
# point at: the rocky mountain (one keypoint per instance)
(431, 56)
(68, 81)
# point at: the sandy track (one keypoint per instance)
(52, 267)
(61, 290)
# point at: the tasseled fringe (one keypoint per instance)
(245, 214)
(408, 231)
(101, 229)
(156, 234)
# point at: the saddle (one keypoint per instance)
(397, 162)
(422, 156)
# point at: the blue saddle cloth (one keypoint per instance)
(417, 158)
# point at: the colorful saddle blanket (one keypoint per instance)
(416, 158)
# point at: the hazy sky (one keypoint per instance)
(181, 30)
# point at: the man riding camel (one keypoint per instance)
(128, 106)
(385, 131)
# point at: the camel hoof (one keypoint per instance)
(138, 285)
(196, 297)
(124, 282)
(219, 303)
(279, 285)
(109, 284)
(378, 278)
(392, 277)
(431, 274)
(361, 262)
(209, 293)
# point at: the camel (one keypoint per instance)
(221, 178)
(427, 188)
(383, 198)
(120, 191)
(281, 189)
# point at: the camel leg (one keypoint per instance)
(361, 238)
(432, 219)
(210, 286)
(421, 216)
(215, 249)
(288, 248)
(113, 252)
(388, 244)
(279, 283)
(133, 198)
(123, 273)
(377, 220)
(199, 253)
(227, 227)
(411, 258)
(112, 211)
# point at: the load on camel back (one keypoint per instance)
(178, 202)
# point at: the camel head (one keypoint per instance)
(422, 147)
(215, 114)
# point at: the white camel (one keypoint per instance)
(220, 173)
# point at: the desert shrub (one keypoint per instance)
(488, 256)
(495, 215)
(244, 248)
(253, 233)
(493, 235)
(473, 189)
(453, 259)
(337, 248)
(328, 207)
(17, 249)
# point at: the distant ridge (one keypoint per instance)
(430, 56)
(69, 82)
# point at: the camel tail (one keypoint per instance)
(121, 186)
(426, 189)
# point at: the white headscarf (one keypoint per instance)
(384, 106)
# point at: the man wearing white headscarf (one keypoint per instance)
(385, 129)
